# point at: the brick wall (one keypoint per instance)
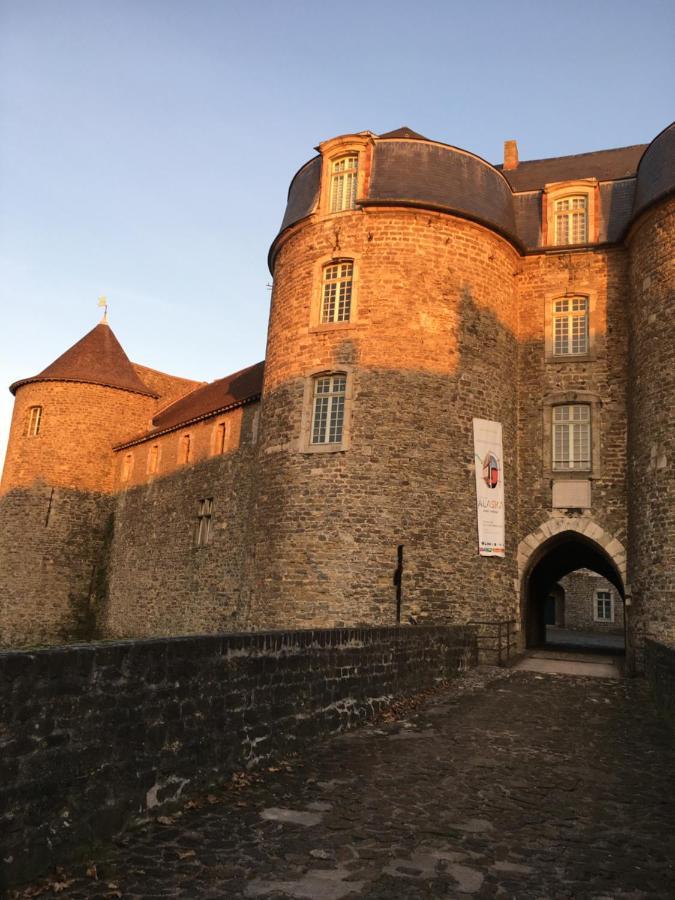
(95, 736)
(652, 423)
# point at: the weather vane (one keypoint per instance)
(103, 301)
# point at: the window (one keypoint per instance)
(219, 439)
(34, 420)
(203, 526)
(328, 409)
(336, 296)
(127, 466)
(604, 607)
(571, 220)
(572, 437)
(153, 459)
(184, 449)
(343, 180)
(570, 326)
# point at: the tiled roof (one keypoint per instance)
(97, 358)
(207, 400)
(605, 165)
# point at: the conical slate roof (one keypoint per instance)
(98, 358)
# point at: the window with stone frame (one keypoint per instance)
(336, 291)
(203, 523)
(343, 183)
(570, 217)
(185, 449)
(127, 466)
(34, 421)
(153, 459)
(219, 438)
(604, 607)
(570, 326)
(328, 409)
(571, 438)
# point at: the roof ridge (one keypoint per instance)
(524, 162)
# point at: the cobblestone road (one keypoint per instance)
(509, 784)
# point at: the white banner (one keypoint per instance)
(489, 458)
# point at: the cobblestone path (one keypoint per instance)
(508, 784)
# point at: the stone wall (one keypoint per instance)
(659, 661)
(579, 603)
(652, 422)
(432, 344)
(95, 736)
(161, 581)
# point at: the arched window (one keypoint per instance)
(34, 421)
(328, 409)
(343, 181)
(572, 437)
(570, 326)
(571, 219)
(336, 292)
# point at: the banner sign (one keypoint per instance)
(489, 458)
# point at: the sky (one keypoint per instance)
(146, 146)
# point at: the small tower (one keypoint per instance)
(55, 494)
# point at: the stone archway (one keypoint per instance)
(555, 549)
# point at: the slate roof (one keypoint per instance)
(404, 132)
(97, 358)
(605, 165)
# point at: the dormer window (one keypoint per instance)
(571, 220)
(343, 182)
(571, 213)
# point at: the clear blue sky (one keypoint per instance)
(147, 145)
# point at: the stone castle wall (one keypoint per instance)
(161, 582)
(652, 423)
(432, 344)
(97, 736)
(579, 603)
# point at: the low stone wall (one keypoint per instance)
(659, 664)
(93, 736)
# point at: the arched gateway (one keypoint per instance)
(555, 549)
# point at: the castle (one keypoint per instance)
(417, 288)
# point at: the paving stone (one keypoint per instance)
(523, 788)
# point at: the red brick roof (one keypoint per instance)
(208, 400)
(97, 358)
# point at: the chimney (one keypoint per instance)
(510, 155)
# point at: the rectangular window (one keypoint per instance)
(337, 292)
(604, 607)
(570, 326)
(203, 525)
(571, 221)
(127, 466)
(328, 409)
(572, 437)
(34, 420)
(343, 180)
(153, 459)
(219, 445)
(185, 449)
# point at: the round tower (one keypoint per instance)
(55, 495)
(651, 243)
(393, 325)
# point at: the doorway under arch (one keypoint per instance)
(560, 555)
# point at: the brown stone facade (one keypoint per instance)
(229, 516)
(580, 604)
